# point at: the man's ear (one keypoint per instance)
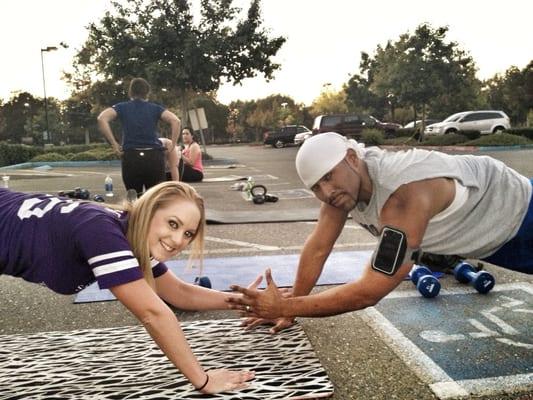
(351, 157)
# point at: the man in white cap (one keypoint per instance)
(414, 201)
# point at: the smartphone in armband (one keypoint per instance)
(391, 251)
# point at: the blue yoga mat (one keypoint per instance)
(341, 267)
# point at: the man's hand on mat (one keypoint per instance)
(278, 324)
(258, 303)
(224, 380)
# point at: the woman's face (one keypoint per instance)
(186, 136)
(172, 228)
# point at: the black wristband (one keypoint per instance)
(205, 383)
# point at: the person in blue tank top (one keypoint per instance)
(66, 245)
(414, 202)
(143, 158)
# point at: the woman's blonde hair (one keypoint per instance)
(141, 212)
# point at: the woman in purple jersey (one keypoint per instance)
(124, 251)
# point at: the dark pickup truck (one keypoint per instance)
(281, 137)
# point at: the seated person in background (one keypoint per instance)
(186, 165)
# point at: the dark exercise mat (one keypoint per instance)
(227, 178)
(124, 362)
(341, 267)
(261, 215)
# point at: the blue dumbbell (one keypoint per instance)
(425, 282)
(203, 281)
(482, 281)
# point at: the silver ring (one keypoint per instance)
(248, 308)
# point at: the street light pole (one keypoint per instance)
(46, 49)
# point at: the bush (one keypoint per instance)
(451, 139)
(11, 154)
(372, 137)
(470, 134)
(526, 132)
(77, 148)
(406, 132)
(95, 155)
(49, 157)
(504, 139)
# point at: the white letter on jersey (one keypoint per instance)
(29, 208)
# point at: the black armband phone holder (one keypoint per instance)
(391, 252)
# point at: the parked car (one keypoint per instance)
(351, 124)
(485, 121)
(302, 135)
(418, 122)
(281, 137)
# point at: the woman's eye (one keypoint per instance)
(173, 224)
(189, 235)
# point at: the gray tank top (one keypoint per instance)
(498, 198)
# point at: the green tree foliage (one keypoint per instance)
(360, 99)
(420, 70)
(329, 102)
(21, 117)
(159, 40)
(512, 93)
(251, 119)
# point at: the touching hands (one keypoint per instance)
(256, 303)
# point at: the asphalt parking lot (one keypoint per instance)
(359, 355)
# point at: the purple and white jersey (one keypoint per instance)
(65, 244)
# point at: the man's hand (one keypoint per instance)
(258, 303)
(278, 324)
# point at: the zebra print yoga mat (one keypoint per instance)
(124, 363)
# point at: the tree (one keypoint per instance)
(21, 117)
(361, 99)
(329, 102)
(422, 71)
(512, 92)
(251, 119)
(158, 40)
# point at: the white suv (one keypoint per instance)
(485, 122)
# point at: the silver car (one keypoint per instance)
(486, 122)
(303, 134)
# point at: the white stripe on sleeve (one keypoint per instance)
(115, 267)
(107, 256)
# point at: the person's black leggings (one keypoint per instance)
(142, 169)
(188, 173)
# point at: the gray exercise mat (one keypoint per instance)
(341, 267)
(261, 215)
(124, 363)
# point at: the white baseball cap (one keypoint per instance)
(321, 153)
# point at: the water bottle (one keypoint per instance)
(108, 186)
(247, 191)
(5, 178)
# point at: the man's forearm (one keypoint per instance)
(309, 269)
(338, 300)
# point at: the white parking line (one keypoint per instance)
(356, 227)
(256, 248)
